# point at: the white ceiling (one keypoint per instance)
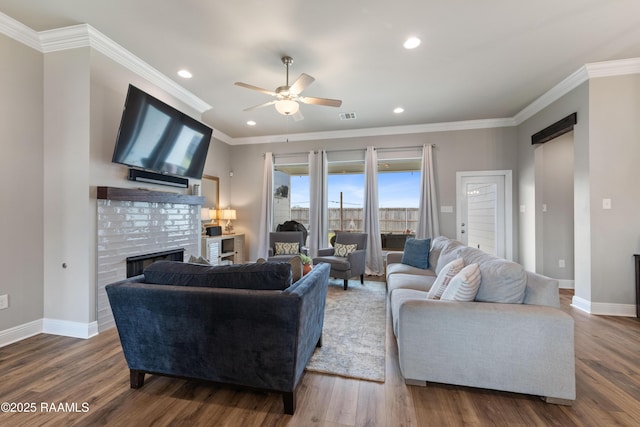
(478, 59)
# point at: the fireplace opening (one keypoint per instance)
(137, 264)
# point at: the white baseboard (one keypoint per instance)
(69, 329)
(20, 332)
(566, 284)
(48, 326)
(603, 308)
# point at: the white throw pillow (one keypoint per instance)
(447, 273)
(464, 286)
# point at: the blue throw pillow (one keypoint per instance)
(416, 253)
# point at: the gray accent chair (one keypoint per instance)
(285, 237)
(349, 266)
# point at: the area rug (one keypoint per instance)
(354, 333)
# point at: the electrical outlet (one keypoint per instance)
(561, 263)
(4, 301)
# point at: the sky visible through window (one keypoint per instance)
(395, 190)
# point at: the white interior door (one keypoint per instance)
(484, 211)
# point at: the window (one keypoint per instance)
(291, 194)
(398, 195)
(398, 191)
(345, 189)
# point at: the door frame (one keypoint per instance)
(508, 204)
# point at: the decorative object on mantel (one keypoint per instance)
(228, 215)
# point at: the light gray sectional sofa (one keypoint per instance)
(513, 337)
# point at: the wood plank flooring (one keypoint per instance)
(51, 370)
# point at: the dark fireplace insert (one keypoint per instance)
(137, 264)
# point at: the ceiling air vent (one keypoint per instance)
(347, 116)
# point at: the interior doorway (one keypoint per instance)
(554, 172)
(484, 214)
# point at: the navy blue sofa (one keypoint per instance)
(245, 325)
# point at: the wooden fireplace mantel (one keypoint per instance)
(143, 195)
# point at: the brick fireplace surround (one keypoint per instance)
(132, 222)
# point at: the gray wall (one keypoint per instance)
(554, 175)
(465, 150)
(60, 115)
(606, 152)
(614, 152)
(21, 183)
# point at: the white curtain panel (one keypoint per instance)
(428, 224)
(318, 227)
(266, 209)
(374, 264)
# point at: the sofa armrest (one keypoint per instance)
(394, 257)
(312, 290)
(326, 252)
(512, 347)
(357, 260)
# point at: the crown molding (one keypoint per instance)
(588, 71)
(381, 131)
(84, 35)
(618, 67)
(19, 32)
(558, 91)
(58, 39)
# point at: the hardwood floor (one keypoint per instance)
(51, 370)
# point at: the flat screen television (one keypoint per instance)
(156, 137)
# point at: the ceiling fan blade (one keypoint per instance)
(260, 105)
(320, 101)
(298, 116)
(252, 87)
(301, 83)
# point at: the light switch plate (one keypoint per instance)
(606, 203)
(4, 301)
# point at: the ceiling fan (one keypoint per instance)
(287, 96)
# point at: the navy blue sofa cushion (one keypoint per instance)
(416, 253)
(267, 276)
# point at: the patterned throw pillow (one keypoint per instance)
(447, 273)
(464, 286)
(344, 250)
(287, 248)
(198, 260)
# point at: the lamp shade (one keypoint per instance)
(204, 214)
(228, 214)
(287, 107)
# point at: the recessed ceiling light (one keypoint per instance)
(251, 123)
(185, 74)
(411, 43)
(398, 110)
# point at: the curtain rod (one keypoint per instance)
(407, 147)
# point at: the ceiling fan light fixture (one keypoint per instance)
(287, 107)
